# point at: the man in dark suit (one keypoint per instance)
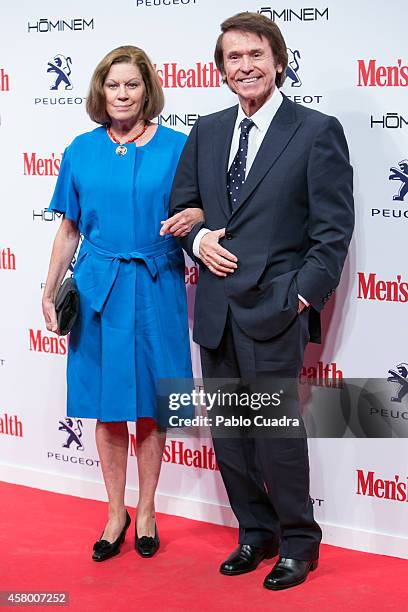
(275, 184)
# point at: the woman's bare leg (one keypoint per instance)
(112, 442)
(150, 445)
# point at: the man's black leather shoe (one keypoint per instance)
(289, 573)
(103, 549)
(245, 559)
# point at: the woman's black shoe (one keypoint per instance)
(147, 546)
(103, 549)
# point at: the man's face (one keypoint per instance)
(250, 67)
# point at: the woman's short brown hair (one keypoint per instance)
(96, 103)
(262, 26)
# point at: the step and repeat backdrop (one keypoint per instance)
(348, 59)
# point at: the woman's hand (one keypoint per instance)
(65, 245)
(182, 223)
(50, 316)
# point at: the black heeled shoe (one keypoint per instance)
(103, 549)
(147, 546)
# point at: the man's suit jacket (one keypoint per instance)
(290, 230)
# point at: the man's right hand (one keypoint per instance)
(217, 259)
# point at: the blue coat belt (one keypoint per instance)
(113, 261)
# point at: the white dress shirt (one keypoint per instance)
(262, 120)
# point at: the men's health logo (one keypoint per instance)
(374, 74)
(7, 259)
(191, 275)
(11, 425)
(40, 165)
(392, 489)
(400, 174)
(60, 66)
(73, 431)
(178, 452)
(293, 67)
(399, 377)
(202, 75)
(4, 80)
(54, 345)
(321, 375)
(370, 287)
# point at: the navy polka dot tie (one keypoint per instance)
(236, 174)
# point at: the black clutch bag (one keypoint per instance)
(67, 306)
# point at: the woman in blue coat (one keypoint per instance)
(113, 189)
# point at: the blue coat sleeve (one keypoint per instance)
(66, 198)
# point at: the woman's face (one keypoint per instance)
(125, 93)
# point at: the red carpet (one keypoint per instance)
(46, 541)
